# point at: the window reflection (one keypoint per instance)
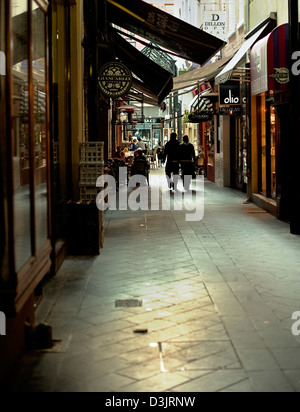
(20, 133)
(40, 125)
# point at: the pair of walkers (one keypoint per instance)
(177, 154)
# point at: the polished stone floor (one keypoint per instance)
(217, 300)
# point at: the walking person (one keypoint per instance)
(160, 153)
(171, 156)
(187, 162)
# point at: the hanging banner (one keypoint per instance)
(114, 80)
(270, 62)
(215, 23)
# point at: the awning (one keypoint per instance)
(270, 62)
(156, 81)
(226, 73)
(140, 92)
(201, 104)
(163, 29)
(200, 75)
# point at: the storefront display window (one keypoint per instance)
(267, 145)
(238, 152)
(29, 130)
(20, 132)
(273, 151)
(40, 124)
(263, 147)
(3, 111)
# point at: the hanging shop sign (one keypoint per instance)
(231, 111)
(215, 23)
(114, 80)
(200, 117)
(230, 93)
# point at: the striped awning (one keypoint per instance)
(201, 104)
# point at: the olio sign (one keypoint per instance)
(230, 93)
(231, 99)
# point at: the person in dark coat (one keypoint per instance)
(160, 153)
(140, 165)
(172, 156)
(187, 162)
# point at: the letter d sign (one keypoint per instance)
(215, 17)
(2, 324)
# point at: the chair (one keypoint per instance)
(130, 160)
(154, 159)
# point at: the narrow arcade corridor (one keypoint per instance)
(217, 301)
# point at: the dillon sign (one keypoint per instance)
(230, 94)
(215, 23)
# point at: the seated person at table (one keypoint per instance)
(140, 165)
(119, 154)
(134, 146)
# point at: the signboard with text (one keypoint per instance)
(200, 117)
(230, 93)
(114, 79)
(215, 23)
(231, 111)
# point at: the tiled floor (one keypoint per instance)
(218, 296)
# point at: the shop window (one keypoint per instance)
(3, 111)
(20, 132)
(29, 131)
(40, 125)
(267, 143)
(262, 143)
(273, 151)
(61, 127)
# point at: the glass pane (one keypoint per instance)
(273, 152)
(263, 148)
(60, 119)
(20, 132)
(3, 234)
(40, 125)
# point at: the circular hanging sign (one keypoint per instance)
(114, 79)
